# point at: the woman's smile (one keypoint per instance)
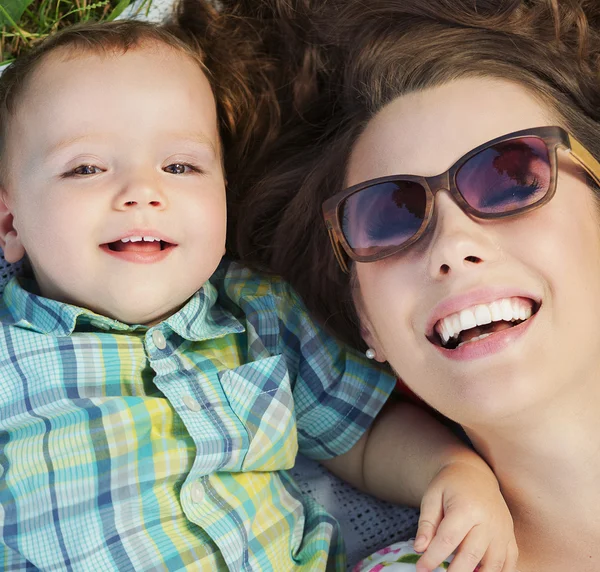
(471, 318)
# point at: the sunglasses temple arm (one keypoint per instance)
(338, 251)
(585, 159)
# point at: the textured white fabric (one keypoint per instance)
(367, 523)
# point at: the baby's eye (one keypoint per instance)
(180, 168)
(84, 170)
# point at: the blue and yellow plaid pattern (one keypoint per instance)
(166, 447)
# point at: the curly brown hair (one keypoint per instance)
(372, 52)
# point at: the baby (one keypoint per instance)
(152, 396)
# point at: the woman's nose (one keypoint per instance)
(459, 243)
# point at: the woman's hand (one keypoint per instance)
(463, 511)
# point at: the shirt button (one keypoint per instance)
(159, 339)
(191, 403)
(197, 493)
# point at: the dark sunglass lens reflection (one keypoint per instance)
(383, 216)
(507, 176)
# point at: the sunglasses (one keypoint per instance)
(507, 176)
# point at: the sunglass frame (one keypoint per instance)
(554, 138)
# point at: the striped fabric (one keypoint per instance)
(165, 447)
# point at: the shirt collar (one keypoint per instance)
(200, 318)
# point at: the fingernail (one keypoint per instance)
(421, 539)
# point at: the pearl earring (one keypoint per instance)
(370, 353)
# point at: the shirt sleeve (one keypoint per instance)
(337, 390)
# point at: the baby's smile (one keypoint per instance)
(139, 244)
(138, 247)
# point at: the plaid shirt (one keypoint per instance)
(165, 447)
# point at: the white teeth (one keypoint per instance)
(467, 319)
(481, 337)
(140, 238)
(483, 314)
(496, 311)
(507, 312)
(507, 309)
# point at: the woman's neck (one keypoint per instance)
(548, 464)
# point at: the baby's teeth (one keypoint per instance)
(482, 315)
(467, 320)
(140, 238)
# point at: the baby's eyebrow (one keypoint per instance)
(194, 141)
(62, 144)
(199, 140)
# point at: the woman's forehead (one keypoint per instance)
(425, 132)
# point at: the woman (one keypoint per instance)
(476, 275)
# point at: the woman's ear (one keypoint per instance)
(9, 237)
(372, 341)
(367, 331)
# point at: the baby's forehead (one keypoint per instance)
(39, 71)
(150, 88)
(66, 54)
(67, 71)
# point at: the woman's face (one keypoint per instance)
(547, 260)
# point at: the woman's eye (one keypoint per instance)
(84, 170)
(179, 168)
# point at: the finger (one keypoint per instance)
(449, 534)
(429, 519)
(512, 556)
(474, 551)
(500, 557)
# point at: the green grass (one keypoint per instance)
(25, 22)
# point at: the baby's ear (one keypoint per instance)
(9, 237)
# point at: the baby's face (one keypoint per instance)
(115, 183)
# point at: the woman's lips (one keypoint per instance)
(481, 320)
(484, 345)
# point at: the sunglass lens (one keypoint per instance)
(506, 177)
(383, 216)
